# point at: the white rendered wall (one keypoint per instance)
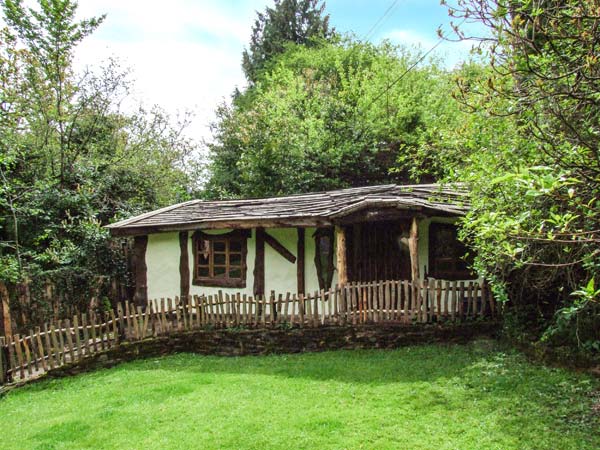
(162, 260)
(280, 274)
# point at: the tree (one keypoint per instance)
(71, 160)
(13, 104)
(326, 117)
(51, 34)
(535, 226)
(299, 22)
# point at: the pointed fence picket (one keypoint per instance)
(68, 341)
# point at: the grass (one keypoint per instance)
(443, 397)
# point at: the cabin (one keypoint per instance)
(299, 243)
(368, 256)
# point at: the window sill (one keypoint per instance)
(219, 282)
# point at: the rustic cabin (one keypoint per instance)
(359, 256)
(299, 243)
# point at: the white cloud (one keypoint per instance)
(184, 54)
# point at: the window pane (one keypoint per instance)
(203, 259)
(447, 253)
(235, 259)
(220, 258)
(203, 248)
(235, 245)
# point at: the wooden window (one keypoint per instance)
(447, 255)
(220, 259)
(324, 256)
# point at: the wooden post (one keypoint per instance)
(69, 340)
(356, 251)
(5, 311)
(300, 260)
(86, 337)
(301, 309)
(184, 267)
(77, 337)
(17, 342)
(259, 264)
(342, 264)
(413, 248)
(139, 254)
(3, 362)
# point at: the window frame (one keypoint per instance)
(224, 281)
(460, 266)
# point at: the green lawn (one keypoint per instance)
(428, 397)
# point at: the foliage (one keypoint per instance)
(318, 120)
(50, 35)
(299, 22)
(535, 225)
(464, 396)
(70, 159)
(580, 321)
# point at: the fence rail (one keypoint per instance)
(67, 341)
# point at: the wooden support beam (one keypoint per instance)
(300, 271)
(184, 266)
(259, 263)
(356, 252)
(279, 248)
(342, 264)
(413, 248)
(140, 244)
(5, 311)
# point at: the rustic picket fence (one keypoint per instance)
(68, 341)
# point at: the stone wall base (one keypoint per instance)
(269, 341)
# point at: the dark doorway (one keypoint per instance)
(378, 251)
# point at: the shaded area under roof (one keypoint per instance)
(313, 209)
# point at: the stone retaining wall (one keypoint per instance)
(262, 342)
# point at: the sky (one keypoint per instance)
(185, 55)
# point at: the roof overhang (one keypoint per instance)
(341, 207)
(242, 224)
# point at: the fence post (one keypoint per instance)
(3, 362)
(6, 324)
(301, 309)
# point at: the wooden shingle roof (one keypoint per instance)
(313, 209)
